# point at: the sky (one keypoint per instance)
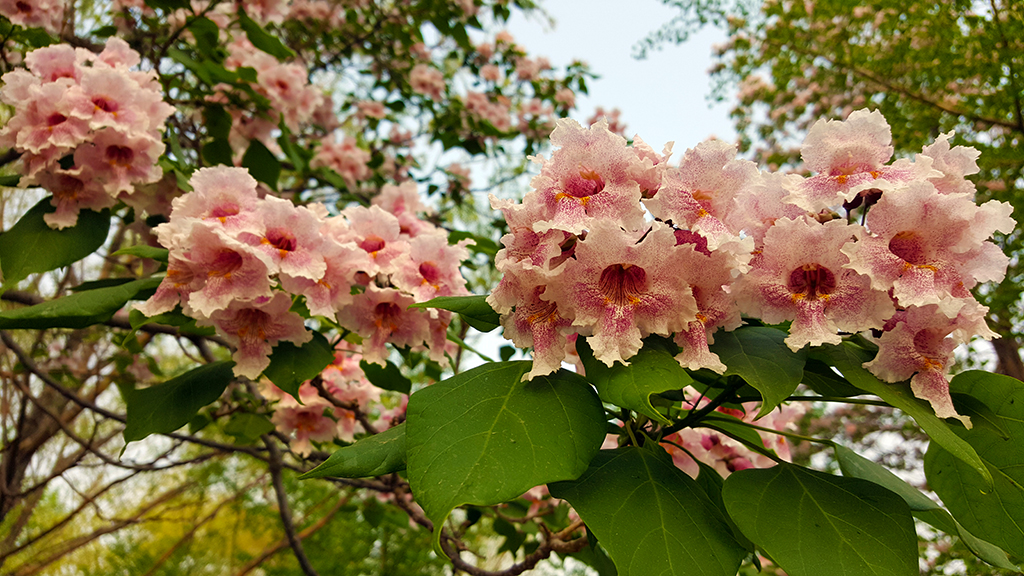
(662, 98)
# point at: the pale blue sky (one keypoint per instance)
(662, 98)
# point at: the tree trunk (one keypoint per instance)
(1008, 356)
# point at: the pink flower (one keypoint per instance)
(850, 156)
(225, 269)
(45, 14)
(371, 109)
(291, 241)
(326, 295)
(701, 194)
(590, 177)
(802, 276)
(427, 80)
(121, 159)
(566, 97)
(535, 322)
(254, 327)
(347, 159)
(621, 287)
(72, 191)
(916, 343)
(306, 422)
(954, 163)
(377, 233)
(382, 315)
(490, 72)
(431, 267)
(930, 248)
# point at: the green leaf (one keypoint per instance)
(484, 436)
(474, 310)
(206, 33)
(849, 360)
(650, 516)
(760, 356)
(262, 40)
(994, 513)
(291, 365)
(76, 310)
(218, 121)
(218, 151)
(10, 180)
(143, 251)
(168, 406)
(375, 455)
(168, 5)
(388, 377)
(262, 164)
(923, 508)
(813, 523)
(712, 482)
(820, 378)
(246, 427)
(185, 324)
(482, 244)
(30, 246)
(650, 371)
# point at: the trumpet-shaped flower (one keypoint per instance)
(916, 345)
(621, 288)
(930, 248)
(254, 327)
(850, 156)
(590, 177)
(802, 276)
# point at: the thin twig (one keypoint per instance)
(283, 509)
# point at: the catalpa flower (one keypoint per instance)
(621, 287)
(701, 194)
(802, 276)
(916, 344)
(590, 177)
(531, 321)
(930, 248)
(850, 156)
(382, 315)
(254, 327)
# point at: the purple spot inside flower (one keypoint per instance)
(910, 247)
(811, 281)
(55, 119)
(623, 284)
(372, 243)
(120, 155)
(431, 273)
(282, 239)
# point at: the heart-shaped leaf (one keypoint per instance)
(650, 516)
(484, 436)
(759, 355)
(813, 523)
(993, 513)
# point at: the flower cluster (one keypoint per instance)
(320, 419)
(88, 126)
(237, 262)
(285, 85)
(614, 244)
(45, 14)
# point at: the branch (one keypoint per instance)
(76, 543)
(896, 88)
(282, 504)
(29, 299)
(352, 407)
(559, 542)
